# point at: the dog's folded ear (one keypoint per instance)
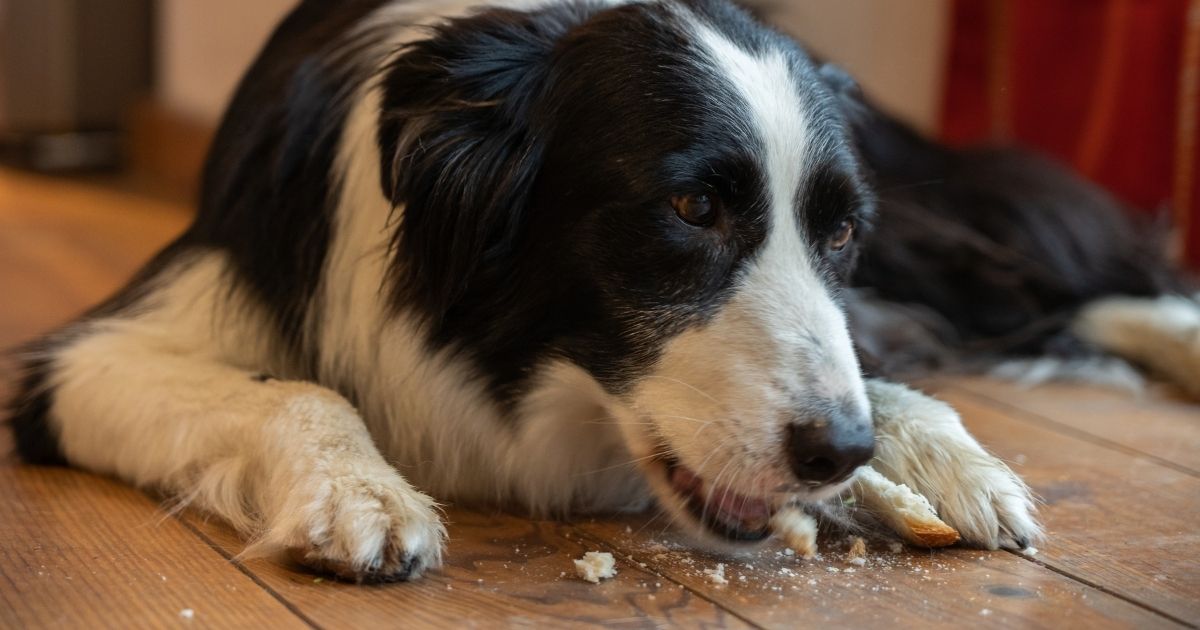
(459, 143)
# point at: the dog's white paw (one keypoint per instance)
(985, 501)
(360, 526)
(922, 443)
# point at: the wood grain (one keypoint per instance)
(1156, 423)
(948, 588)
(500, 571)
(1121, 522)
(80, 551)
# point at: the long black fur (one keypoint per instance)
(1002, 245)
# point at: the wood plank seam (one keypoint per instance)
(1103, 589)
(1031, 417)
(233, 561)
(628, 557)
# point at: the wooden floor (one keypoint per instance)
(1120, 478)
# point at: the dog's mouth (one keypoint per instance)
(721, 510)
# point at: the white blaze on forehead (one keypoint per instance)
(776, 115)
(783, 291)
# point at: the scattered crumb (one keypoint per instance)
(628, 529)
(318, 580)
(985, 612)
(833, 569)
(595, 566)
(895, 547)
(1030, 551)
(187, 613)
(717, 575)
(789, 552)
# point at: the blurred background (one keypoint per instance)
(1109, 87)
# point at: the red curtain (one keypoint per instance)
(1110, 87)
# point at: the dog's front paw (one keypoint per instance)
(987, 503)
(372, 527)
(923, 444)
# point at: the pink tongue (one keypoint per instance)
(723, 502)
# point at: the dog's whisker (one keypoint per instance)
(621, 465)
(687, 385)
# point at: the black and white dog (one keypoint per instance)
(568, 255)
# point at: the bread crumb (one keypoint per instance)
(858, 551)
(798, 531)
(717, 575)
(595, 566)
(187, 613)
(1030, 551)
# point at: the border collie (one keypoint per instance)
(567, 255)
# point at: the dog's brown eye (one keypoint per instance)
(842, 236)
(697, 210)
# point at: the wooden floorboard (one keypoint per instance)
(950, 588)
(1118, 475)
(79, 551)
(1116, 520)
(500, 570)
(1156, 423)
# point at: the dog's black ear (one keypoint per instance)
(460, 145)
(840, 81)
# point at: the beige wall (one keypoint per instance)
(894, 47)
(204, 47)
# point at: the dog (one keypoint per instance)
(571, 256)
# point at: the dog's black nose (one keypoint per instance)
(827, 449)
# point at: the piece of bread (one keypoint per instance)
(797, 530)
(905, 511)
(595, 566)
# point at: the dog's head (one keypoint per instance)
(662, 194)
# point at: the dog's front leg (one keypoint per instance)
(921, 442)
(288, 463)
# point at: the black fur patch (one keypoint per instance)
(28, 417)
(534, 156)
(1004, 245)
